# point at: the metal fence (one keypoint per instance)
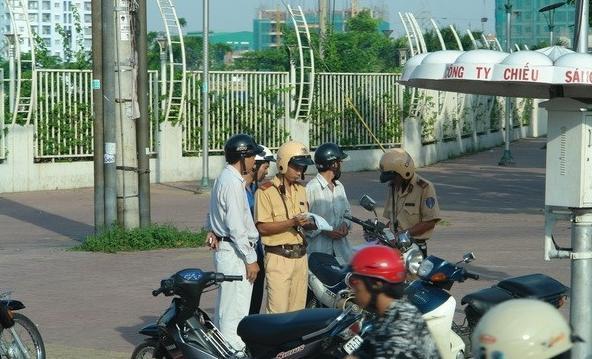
(376, 97)
(250, 102)
(64, 115)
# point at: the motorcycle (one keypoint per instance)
(436, 276)
(186, 331)
(19, 336)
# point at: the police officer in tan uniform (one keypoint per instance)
(280, 207)
(411, 204)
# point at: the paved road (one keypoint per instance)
(92, 305)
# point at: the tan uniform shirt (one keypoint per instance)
(417, 204)
(269, 207)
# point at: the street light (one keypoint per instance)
(205, 178)
(507, 159)
(11, 38)
(549, 14)
(162, 42)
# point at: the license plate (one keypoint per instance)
(353, 344)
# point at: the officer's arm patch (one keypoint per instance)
(430, 202)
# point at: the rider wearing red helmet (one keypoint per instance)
(377, 280)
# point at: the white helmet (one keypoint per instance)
(265, 156)
(521, 328)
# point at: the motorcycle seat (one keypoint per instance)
(538, 286)
(484, 299)
(326, 268)
(276, 329)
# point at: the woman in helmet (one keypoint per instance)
(521, 329)
(411, 204)
(377, 280)
(280, 216)
(327, 198)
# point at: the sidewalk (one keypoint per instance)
(92, 305)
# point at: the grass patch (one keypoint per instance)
(156, 236)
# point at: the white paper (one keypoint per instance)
(320, 222)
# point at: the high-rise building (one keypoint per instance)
(44, 15)
(269, 26)
(529, 26)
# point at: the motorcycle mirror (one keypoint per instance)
(469, 257)
(367, 203)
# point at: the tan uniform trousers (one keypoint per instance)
(286, 283)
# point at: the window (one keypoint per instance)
(46, 30)
(46, 18)
(47, 42)
(33, 17)
(46, 5)
(87, 18)
(57, 18)
(33, 5)
(56, 5)
(87, 6)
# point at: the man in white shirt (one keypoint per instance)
(233, 235)
(327, 198)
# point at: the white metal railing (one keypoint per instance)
(377, 98)
(63, 117)
(252, 102)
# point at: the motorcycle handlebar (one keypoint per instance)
(470, 275)
(156, 292)
(364, 224)
(231, 278)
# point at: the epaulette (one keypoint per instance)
(422, 183)
(266, 185)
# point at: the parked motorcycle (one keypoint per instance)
(19, 336)
(186, 331)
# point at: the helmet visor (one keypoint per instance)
(387, 176)
(301, 161)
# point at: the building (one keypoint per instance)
(269, 26)
(43, 17)
(239, 42)
(529, 27)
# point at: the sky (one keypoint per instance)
(238, 15)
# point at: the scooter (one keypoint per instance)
(19, 336)
(186, 331)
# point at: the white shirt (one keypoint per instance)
(331, 205)
(229, 214)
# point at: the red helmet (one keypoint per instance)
(380, 262)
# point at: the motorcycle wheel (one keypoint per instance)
(25, 332)
(146, 350)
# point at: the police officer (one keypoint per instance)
(280, 208)
(262, 162)
(233, 235)
(411, 204)
(327, 198)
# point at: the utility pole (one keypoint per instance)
(127, 112)
(507, 159)
(99, 178)
(323, 15)
(143, 123)
(205, 179)
(110, 134)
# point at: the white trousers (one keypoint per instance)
(234, 298)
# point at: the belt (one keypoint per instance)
(287, 250)
(227, 239)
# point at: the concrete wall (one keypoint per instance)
(19, 172)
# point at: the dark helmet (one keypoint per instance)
(326, 154)
(240, 146)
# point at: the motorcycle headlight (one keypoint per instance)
(425, 268)
(413, 260)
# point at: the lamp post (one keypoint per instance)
(11, 37)
(162, 42)
(549, 14)
(205, 179)
(507, 159)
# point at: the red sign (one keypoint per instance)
(578, 77)
(521, 74)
